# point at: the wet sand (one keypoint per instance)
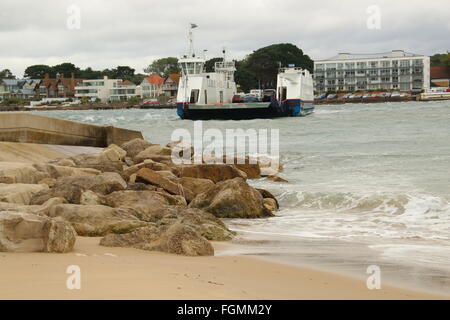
(126, 273)
(350, 258)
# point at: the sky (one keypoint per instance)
(104, 34)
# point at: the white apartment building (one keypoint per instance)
(396, 70)
(106, 90)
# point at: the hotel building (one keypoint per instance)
(396, 70)
(106, 90)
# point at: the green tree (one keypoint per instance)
(108, 73)
(439, 59)
(245, 77)
(123, 72)
(260, 69)
(6, 74)
(163, 67)
(88, 73)
(209, 64)
(38, 71)
(446, 60)
(66, 69)
(265, 62)
(137, 78)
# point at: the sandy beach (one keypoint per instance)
(127, 273)
(123, 273)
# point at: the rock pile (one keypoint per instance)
(132, 196)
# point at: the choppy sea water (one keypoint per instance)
(369, 184)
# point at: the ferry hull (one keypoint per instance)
(245, 111)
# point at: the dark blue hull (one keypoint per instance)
(273, 109)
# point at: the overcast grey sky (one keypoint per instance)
(135, 32)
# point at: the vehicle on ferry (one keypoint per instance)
(213, 95)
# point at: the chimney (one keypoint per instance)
(46, 76)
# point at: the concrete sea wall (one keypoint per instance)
(32, 128)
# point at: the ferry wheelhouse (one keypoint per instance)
(209, 95)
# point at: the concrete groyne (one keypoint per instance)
(32, 128)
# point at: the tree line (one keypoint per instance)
(67, 68)
(440, 59)
(257, 70)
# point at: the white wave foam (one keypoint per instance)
(347, 216)
(88, 119)
(423, 254)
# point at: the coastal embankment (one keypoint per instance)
(32, 128)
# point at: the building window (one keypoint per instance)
(361, 65)
(350, 65)
(404, 63)
(404, 71)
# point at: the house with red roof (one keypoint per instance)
(48, 88)
(66, 86)
(59, 87)
(170, 86)
(151, 87)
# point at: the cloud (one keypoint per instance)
(135, 32)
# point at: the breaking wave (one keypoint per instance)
(348, 215)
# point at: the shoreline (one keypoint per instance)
(99, 107)
(350, 259)
(82, 107)
(127, 273)
(154, 275)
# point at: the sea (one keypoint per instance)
(369, 185)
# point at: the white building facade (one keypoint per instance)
(396, 70)
(152, 86)
(106, 90)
